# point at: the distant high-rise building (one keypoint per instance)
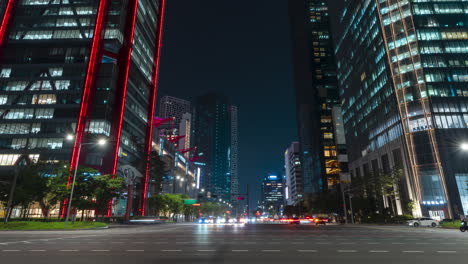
(170, 106)
(292, 162)
(185, 129)
(234, 153)
(85, 68)
(403, 73)
(272, 192)
(316, 93)
(212, 137)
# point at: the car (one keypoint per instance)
(423, 221)
(321, 220)
(295, 220)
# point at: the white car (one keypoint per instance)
(424, 221)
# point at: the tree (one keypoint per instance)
(104, 189)
(157, 170)
(157, 204)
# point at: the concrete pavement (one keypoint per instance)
(191, 243)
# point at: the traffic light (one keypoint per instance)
(240, 198)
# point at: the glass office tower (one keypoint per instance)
(84, 68)
(403, 70)
(316, 93)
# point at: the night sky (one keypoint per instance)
(242, 49)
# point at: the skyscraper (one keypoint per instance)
(403, 74)
(87, 68)
(170, 106)
(180, 110)
(272, 193)
(292, 164)
(234, 153)
(212, 137)
(316, 92)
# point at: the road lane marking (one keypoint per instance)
(271, 250)
(11, 250)
(346, 251)
(378, 251)
(412, 251)
(307, 250)
(446, 252)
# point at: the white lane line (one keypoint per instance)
(271, 250)
(171, 250)
(307, 250)
(240, 250)
(378, 251)
(100, 250)
(412, 251)
(69, 250)
(134, 250)
(447, 252)
(277, 243)
(11, 250)
(346, 251)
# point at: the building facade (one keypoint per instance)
(403, 77)
(234, 153)
(292, 164)
(212, 137)
(272, 194)
(316, 93)
(84, 68)
(170, 106)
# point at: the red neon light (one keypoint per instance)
(123, 76)
(5, 20)
(91, 74)
(128, 57)
(154, 91)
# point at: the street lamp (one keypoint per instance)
(69, 137)
(464, 146)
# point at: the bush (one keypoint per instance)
(400, 219)
(448, 223)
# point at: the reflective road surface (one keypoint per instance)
(254, 243)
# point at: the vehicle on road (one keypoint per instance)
(423, 221)
(321, 221)
(463, 225)
(295, 220)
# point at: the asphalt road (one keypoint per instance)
(191, 243)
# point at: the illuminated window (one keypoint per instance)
(5, 73)
(20, 114)
(8, 159)
(328, 135)
(44, 99)
(45, 113)
(3, 99)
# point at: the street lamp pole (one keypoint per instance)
(73, 184)
(100, 142)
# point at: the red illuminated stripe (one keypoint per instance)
(90, 81)
(133, 5)
(126, 56)
(5, 21)
(154, 92)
